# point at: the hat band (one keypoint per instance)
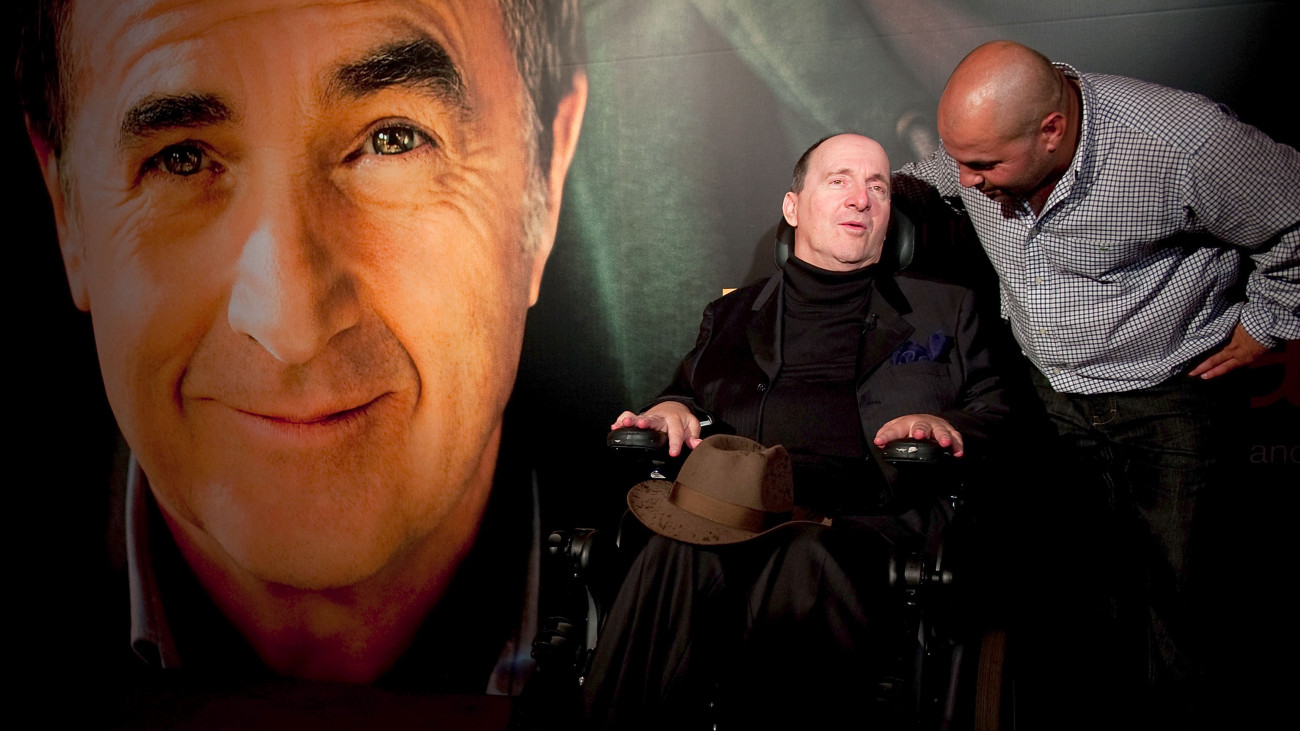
(729, 514)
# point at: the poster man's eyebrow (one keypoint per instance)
(420, 63)
(159, 112)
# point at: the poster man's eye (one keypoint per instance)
(183, 159)
(393, 140)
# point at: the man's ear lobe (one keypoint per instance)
(790, 208)
(70, 243)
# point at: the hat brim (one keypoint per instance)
(649, 502)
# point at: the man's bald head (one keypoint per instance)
(1010, 119)
(1011, 85)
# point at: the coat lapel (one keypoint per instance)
(886, 327)
(765, 327)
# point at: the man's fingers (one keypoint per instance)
(669, 417)
(1216, 365)
(953, 441)
(941, 435)
(888, 433)
(921, 426)
(1224, 367)
(625, 419)
(675, 434)
(692, 432)
(1240, 351)
(1208, 364)
(640, 421)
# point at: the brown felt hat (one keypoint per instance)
(730, 489)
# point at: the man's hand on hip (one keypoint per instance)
(1240, 351)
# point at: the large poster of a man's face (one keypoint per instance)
(307, 236)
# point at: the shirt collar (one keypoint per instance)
(151, 636)
(1078, 164)
(151, 633)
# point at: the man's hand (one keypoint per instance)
(670, 417)
(1240, 351)
(921, 426)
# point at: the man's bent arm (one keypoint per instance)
(1243, 187)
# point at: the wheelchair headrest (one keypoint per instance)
(896, 254)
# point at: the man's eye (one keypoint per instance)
(185, 160)
(393, 140)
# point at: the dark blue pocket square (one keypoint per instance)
(935, 350)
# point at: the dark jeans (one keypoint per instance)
(1133, 468)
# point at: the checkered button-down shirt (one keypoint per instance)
(1130, 274)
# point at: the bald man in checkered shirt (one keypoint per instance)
(1118, 214)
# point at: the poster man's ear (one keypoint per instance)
(70, 243)
(564, 142)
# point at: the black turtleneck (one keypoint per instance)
(812, 405)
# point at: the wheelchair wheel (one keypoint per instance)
(994, 705)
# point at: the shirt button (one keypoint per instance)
(1042, 331)
(762, 387)
(1038, 280)
(1056, 371)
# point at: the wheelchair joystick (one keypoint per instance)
(647, 446)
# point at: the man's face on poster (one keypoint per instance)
(307, 234)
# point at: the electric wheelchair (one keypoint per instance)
(949, 669)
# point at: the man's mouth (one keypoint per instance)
(310, 417)
(297, 423)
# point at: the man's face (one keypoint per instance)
(300, 229)
(842, 214)
(1002, 167)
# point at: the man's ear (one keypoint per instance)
(564, 142)
(1052, 131)
(790, 208)
(70, 243)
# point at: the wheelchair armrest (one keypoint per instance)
(630, 437)
(648, 448)
(916, 451)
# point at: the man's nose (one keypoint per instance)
(969, 178)
(859, 198)
(289, 294)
